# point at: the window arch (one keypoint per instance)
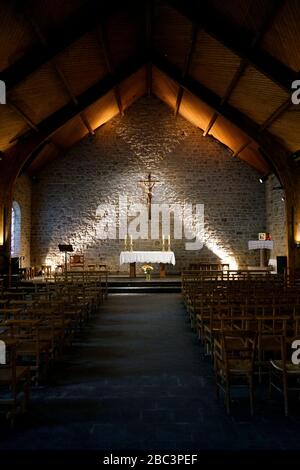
(15, 229)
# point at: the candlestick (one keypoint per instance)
(169, 243)
(131, 243)
(163, 243)
(125, 242)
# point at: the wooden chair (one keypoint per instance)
(284, 375)
(14, 383)
(76, 261)
(234, 353)
(30, 349)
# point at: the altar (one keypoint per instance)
(161, 257)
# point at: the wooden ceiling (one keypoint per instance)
(226, 66)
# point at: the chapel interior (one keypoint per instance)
(121, 330)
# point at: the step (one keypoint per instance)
(143, 289)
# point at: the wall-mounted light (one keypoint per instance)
(263, 179)
(295, 156)
(297, 244)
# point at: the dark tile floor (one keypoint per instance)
(135, 379)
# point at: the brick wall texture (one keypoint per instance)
(190, 168)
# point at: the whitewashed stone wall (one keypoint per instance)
(276, 217)
(22, 195)
(190, 169)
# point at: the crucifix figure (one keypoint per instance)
(149, 184)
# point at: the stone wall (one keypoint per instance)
(276, 217)
(190, 169)
(22, 195)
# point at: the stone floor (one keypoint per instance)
(136, 380)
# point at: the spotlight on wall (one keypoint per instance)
(263, 179)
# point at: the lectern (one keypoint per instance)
(65, 249)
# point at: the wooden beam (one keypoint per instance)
(83, 20)
(210, 124)
(109, 63)
(276, 114)
(268, 18)
(148, 31)
(86, 123)
(57, 68)
(241, 148)
(20, 152)
(187, 64)
(274, 149)
(24, 116)
(237, 40)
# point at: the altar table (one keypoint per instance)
(161, 257)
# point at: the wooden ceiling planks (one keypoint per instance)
(257, 96)
(171, 33)
(287, 128)
(212, 64)
(164, 87)
(125, 32)
(52, 14)
(83, 63)
(40, 94)
(17, 36)
(283, 39)
(11, 124)
(242, 13)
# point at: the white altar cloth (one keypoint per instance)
(166, 257)
(260, 244)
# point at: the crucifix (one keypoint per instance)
(149, 184)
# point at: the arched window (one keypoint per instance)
(15, 229)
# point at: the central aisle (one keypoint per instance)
(135, 380)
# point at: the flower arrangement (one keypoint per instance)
(147, 268)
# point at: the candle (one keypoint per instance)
(125, 242)
(169, 242)
(163, 243)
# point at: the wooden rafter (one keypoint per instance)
(25, 146)
(276, 152)
(57, 68)
(241, 148)
(87, 123)
(109, 63)
(276, 114)
(148, 29)
(265, 25)
(82, 21)
(24, 116)
(187, 65)
(237, 40)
